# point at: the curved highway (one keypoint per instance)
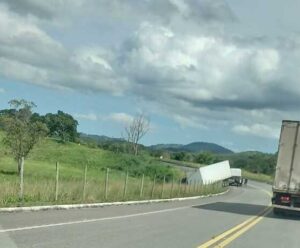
(240, 218)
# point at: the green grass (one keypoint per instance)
(181, 163)
(257, 177)
(40, 172)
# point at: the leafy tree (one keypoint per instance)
(36, 117)
(205, 158)
(21, 134)
(180, 156)
(62, 125)
(5, 113)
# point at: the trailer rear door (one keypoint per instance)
(288, 168)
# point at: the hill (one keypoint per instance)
(208, 147)
(193, 147)
(40, 173)
(84, 176)
(98, 138)
(165, 147)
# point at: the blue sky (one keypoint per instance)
(217, 71)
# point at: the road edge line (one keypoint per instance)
(103, 204)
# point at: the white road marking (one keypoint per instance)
(94, 220)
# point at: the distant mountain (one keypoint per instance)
(165, 146)
(99, 138)
(193, 147)
(204, 146)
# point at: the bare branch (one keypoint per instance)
(136, 130)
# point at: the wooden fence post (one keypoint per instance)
(163, 188)
(153, 186)
(172, 187)
(179, 188)
(56, 181)
(21, 196)
(142, 186)
(106, 183)
(125, 186)
(186, 185)
(84, 183)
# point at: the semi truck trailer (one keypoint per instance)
(211, 173)
(286, 186)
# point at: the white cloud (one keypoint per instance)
(197, 68)
(29, 54)
(2, 90)
(90, 116)
(121, 118)
(187, 122)
(257, 129)
(178, 60)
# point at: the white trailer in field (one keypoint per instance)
(211, 173)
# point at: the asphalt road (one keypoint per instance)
(179, 224)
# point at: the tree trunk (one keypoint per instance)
(19, 166)
(136, 149)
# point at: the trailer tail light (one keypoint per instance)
(285, 199)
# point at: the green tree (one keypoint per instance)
(62, 125)
(180, 156)
(205, 158)
(21, 134)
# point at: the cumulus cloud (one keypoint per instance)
(201, 10)
(29, 54)
(207, 79)
(257, 129)
(118, 118)
(90, 116)
(44, 9)
(169, 54)
(210, 72)
(199, 69)
(121, 118)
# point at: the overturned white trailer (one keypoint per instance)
(211, 173)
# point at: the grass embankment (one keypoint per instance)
(182, 163)
(257, 177)
(40, 173)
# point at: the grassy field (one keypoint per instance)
(258, 177)
(40, 174)
(183, 163)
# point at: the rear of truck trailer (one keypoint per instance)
(286, 187)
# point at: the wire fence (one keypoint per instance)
(96, 185)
